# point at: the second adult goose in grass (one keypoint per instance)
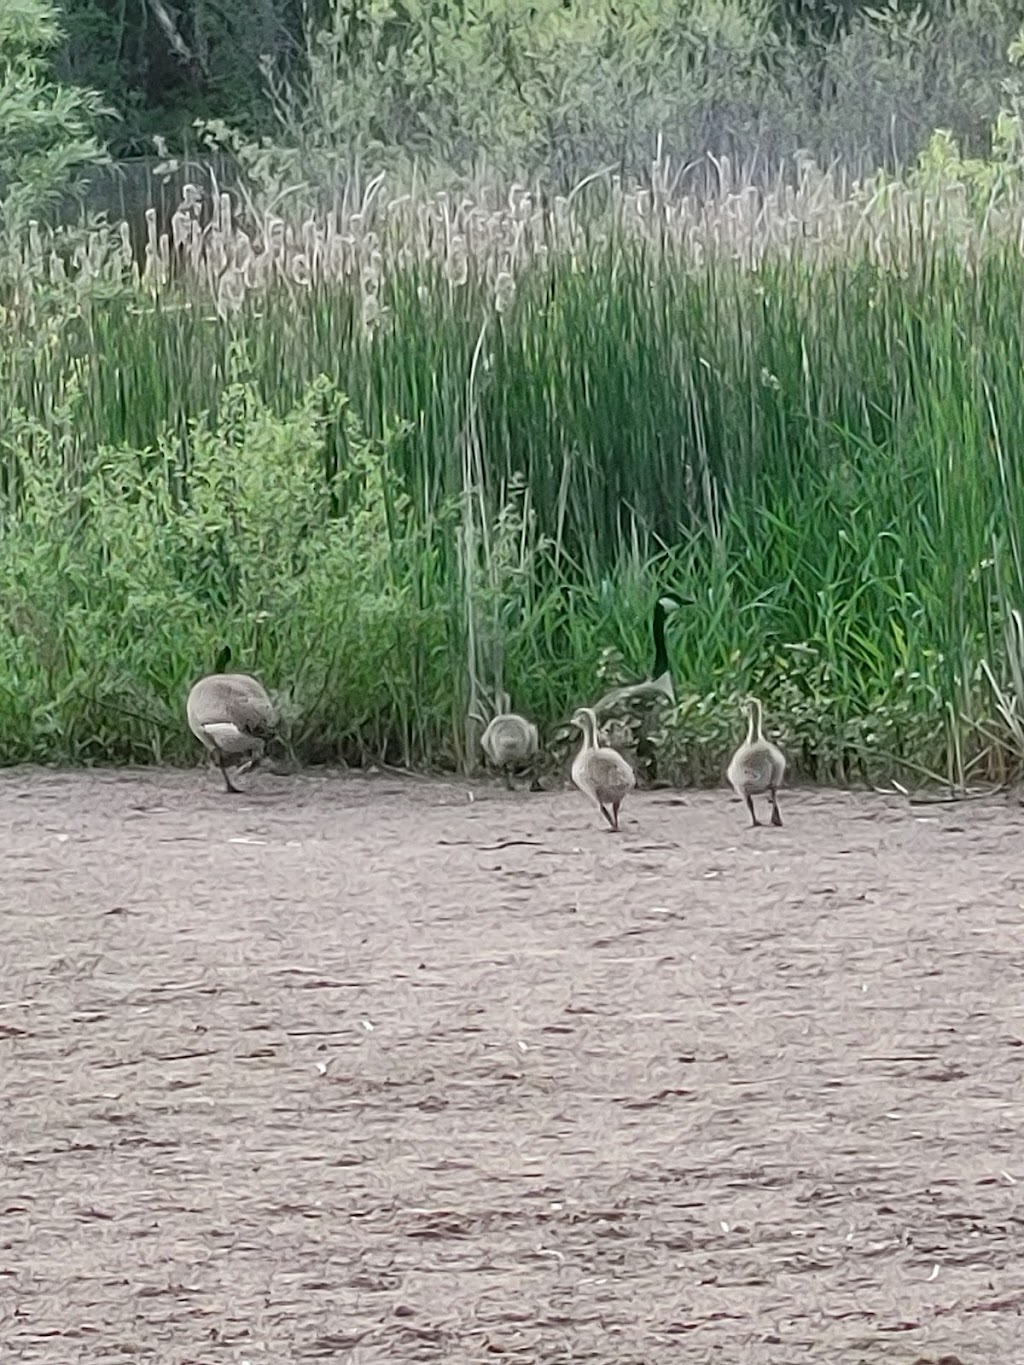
(510, 740)
(757, 766)
(233, 717)
(602, 774)
(659, 683)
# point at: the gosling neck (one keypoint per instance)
(588, 725)
(750, 722)
(756, 715)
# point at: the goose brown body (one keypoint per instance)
(510, 740)
(233, 717)
(758, 766)
(600, 773)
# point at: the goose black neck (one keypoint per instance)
(660, 648)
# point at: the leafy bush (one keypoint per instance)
(46, 129)
(130, 568)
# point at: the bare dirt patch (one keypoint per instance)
(360, 1069)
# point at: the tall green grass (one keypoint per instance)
(488, 477)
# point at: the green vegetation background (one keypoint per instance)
(413, 419)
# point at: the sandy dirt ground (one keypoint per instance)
(375, 1070)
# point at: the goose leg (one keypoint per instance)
(776, 817)
(508, 779)
(750, 807)
(613, 823)
(222, 764)
(615, 816)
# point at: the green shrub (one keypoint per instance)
(47, 130)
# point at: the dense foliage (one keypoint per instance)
(553, 88)
(46, 129)
(427, 443)
(800, 411)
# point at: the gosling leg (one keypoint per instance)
(776, 817)
(750, 807)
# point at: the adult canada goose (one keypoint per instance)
(510, 740)
(757, 765)
(602, 774)
(231, 714)
(659, 683)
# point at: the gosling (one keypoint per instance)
(602, 774)
(757, 766)
(233, 717)
(510, 740)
